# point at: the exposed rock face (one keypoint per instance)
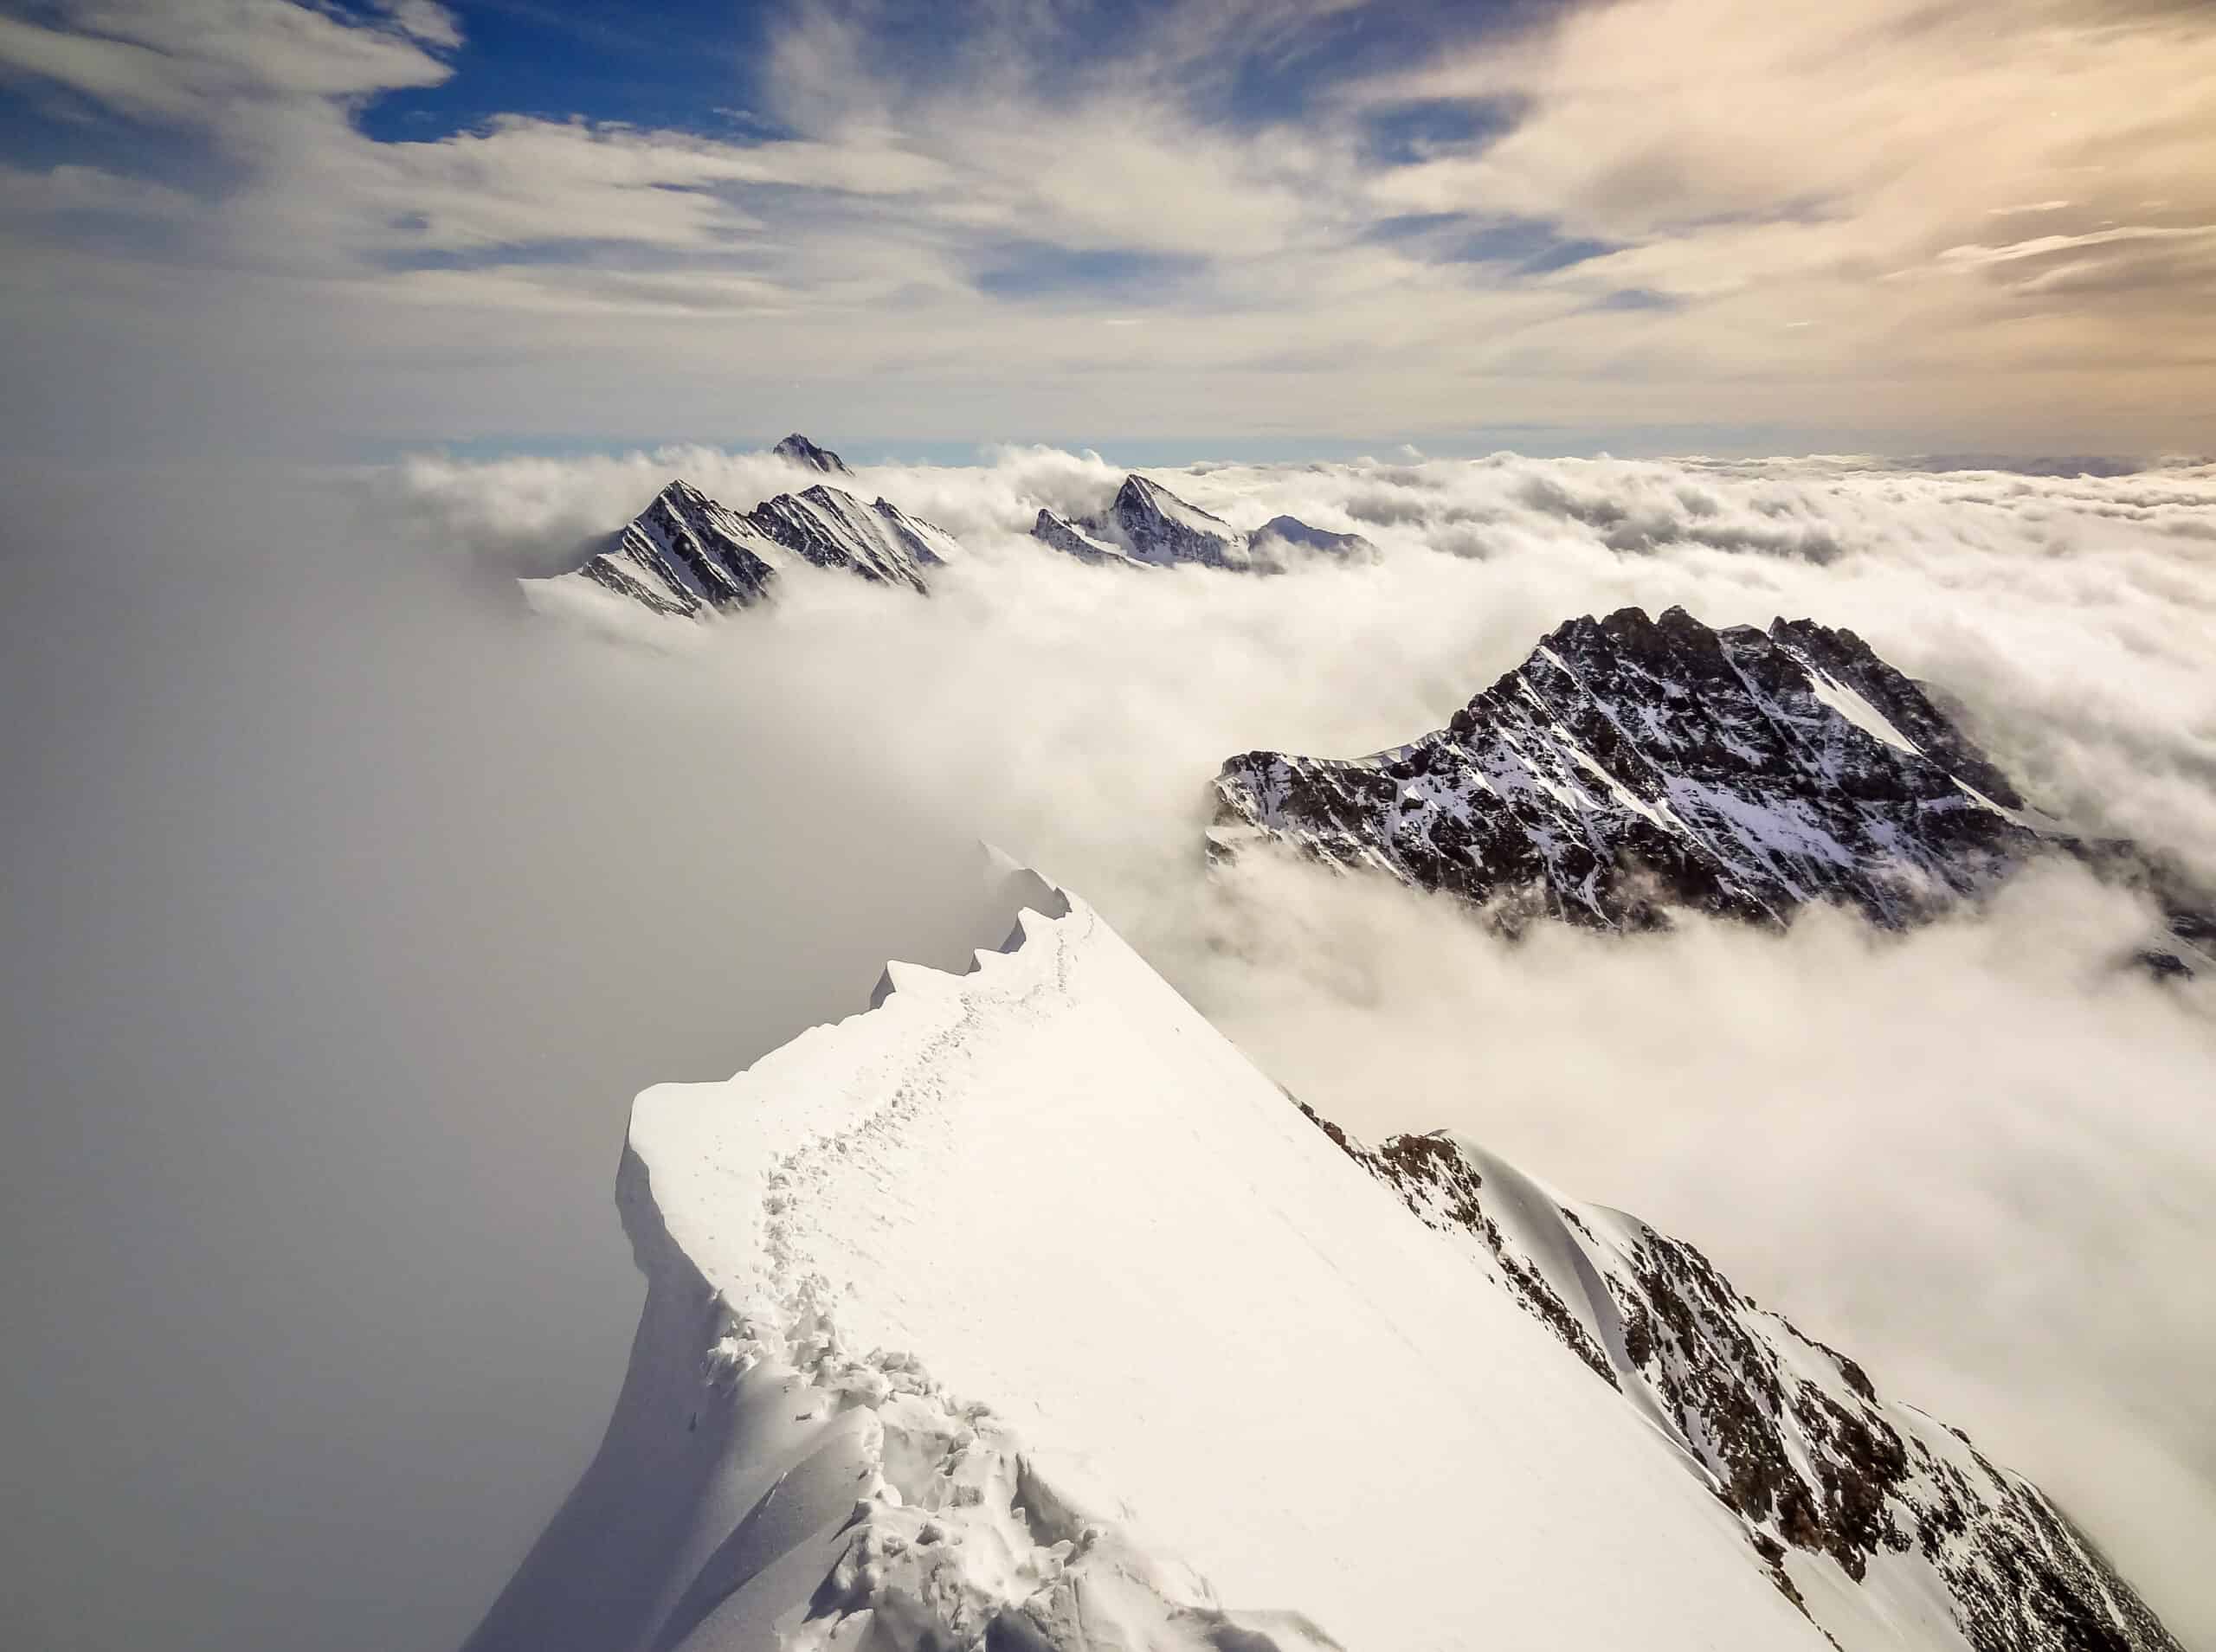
(686, 554)
(1149, 526)
(1631, 764)
(799, 449)
(1790, 1434)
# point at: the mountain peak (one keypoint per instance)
(686, 555)
(1633, 763)
(800, 451)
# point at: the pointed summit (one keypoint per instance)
(1636, 762)
(799, 449)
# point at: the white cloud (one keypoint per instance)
(937, 223)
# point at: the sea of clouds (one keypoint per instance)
(1975, 1155)
(367, 889)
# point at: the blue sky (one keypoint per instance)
(1302, 226)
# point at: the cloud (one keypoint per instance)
(1645, 216)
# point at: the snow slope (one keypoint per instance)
(1021, 1311)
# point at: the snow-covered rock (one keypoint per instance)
(1887, 1526)
(1148, 524)
(1020, 1311)
(1631, 764)
(799, 449)
(686, 554)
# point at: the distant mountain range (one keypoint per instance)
(1149, 526)
(687, 556)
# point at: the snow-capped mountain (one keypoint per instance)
(1631, 763)
(1149, 526)
(1020, 1311)
(799, 449)
(1790, 1433)
(686, 554)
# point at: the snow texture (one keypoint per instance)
(1020, 1311)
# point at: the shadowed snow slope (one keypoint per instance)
(1022, 1311)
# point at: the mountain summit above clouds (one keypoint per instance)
(1021, 1313)
(799, 449)
(1632, 764)
(1148, 525)
(686, 554)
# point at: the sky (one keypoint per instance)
(1300, 229)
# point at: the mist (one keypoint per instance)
(351, 895)
(345, 911)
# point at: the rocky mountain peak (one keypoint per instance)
(1633, 763)
(799, 449)
(1147, 524)
(686, 555)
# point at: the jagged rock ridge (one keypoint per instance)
(1789, 1433)
(1632, 764)
(799, 449)
(687, 555)
(1147, 526)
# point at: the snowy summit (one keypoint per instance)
(1020, 1311)
(799, 449)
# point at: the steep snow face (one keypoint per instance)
(1631, 763)
(1888, 1527)
(1021, 1311)
(799, 449)
(686, 554)
(1149, 526)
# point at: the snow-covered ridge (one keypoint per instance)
(1147, 526)
(1871, 1514)
(686, 554)
(1631, 764)
(1021, 1311)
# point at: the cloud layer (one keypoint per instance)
(368, 896)
(1669, 221)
